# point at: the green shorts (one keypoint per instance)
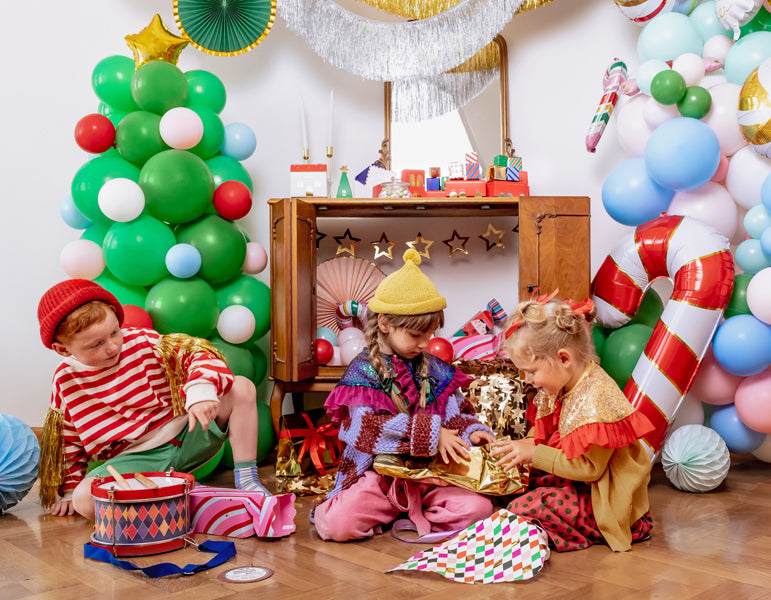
(185, 453)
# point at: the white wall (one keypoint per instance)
(557, 56)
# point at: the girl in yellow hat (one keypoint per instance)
(395, 398)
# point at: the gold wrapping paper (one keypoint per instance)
(479, 474)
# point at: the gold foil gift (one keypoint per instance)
(478, 474)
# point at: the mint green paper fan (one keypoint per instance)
(225, 27)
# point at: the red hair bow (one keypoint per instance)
(580, 308)
(534, 297)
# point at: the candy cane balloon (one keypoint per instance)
(614, 77)
(697, 257)
(349, 309)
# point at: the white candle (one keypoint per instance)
(331, 114)
(304, 125)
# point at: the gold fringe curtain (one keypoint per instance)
(422, 9)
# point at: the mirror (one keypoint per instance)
(419, 143)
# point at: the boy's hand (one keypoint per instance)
(451, 446)
(61, 508)
(203, 412)
(513, 453)
(480, 438)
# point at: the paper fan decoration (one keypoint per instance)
(225, 28)
(695, 458)
(19, 456)
(341, 280)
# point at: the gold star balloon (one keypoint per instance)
(346, 243)
(383, 242)
(453, 246)
(493, 237)
(421, 245)
(155, 42)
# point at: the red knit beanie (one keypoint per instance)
(65, 297)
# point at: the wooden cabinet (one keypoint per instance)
(554, 252)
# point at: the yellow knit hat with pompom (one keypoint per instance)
(407, 291)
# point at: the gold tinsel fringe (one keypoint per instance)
(51, 457)
(171, 348)
(422, 9)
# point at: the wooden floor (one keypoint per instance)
(715, 545)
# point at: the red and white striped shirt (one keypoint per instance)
(107, 410)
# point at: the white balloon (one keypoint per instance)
(656, 113)
(349, 333)
(632, 130)
(711, 204)
(646, 72)
(82, 259)
(351, 349)
(121, 199)
(181, 128)
(236, 324)
(759, 295)
(690, 66)
(337, 359)
(722, 117)
(717, 47)
(256, 258)
(690, 412)
(747, 170)
(763, 452)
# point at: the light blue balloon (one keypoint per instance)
(240, 141)
(71, 215)
(765, 193)
(736, 435)
(668, 36)
(325, 333)
(750, 257)
(183, 260)
(685, 6)
(742, 345)
(757, 220)
(631, 197)
(765, 242)
(704, 19)
(682, 154)
(746, 55)
(647, 71)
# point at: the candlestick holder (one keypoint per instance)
(330, 153)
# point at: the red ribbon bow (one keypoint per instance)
(580, 308)
(316, 441)
(542, 299)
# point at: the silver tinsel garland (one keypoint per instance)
(387, 51)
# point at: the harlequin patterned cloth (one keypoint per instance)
(501, 548)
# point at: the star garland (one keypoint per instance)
(383, 241)
(488, 235)
(456, 249)
(350, 247)
(424, 243)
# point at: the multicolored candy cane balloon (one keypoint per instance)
(614, 77)
(697, 257)
(349, 309)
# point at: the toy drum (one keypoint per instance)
(141, 514)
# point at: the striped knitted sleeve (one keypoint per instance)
(460, 414)
(375, 432)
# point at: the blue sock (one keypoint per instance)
(247, 479)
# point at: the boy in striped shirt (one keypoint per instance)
(135, 399)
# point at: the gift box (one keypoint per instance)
(512, 174)
(308, 452)
(501, 160)
(476, 347)
(434, 172)
(308, 180)
(484, 320)
(456, 170)
(473, 170)
(465, 188)
(433, 184)
(496, 172)
(414, 177)
(240, 513)
(509, 188)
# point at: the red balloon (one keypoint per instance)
(324, 351)
(135, 316)
(441, 348)
(232, 200)
(95, 133)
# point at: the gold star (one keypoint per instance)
(426, 244)
(155, 42)
(487, 237)
(388, 252)
(346, 248)
(454, 248)
(319, 236)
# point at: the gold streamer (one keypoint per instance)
(51, 457)
(422, 9)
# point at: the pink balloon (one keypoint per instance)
(351, 348)
(631, 128)
(82, 259)
(753, 401)
(181, 128)
(711, 204)
(256, 258)
(722, 167)
(712, 384)
(722, 117)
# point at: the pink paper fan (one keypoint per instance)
(342, 279)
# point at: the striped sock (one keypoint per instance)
(247, 479)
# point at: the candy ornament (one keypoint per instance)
(754, 112)
(614, 77)
(698, 259)
(732, 14)
(642, 12)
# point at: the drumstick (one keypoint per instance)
(118, 478)
(145, 481)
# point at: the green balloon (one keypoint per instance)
(177, 185)
(205, 89)
(221, 245)
(225, 168)
(623, 348)
(238, 358)
(695, 103)
(208, 467)
(158, 86)
(135, 252)
(126, 294)
(213, 133)
(138, 137)
(183, 306)
(91, 177)
(252, 293)
(598, 338)
(112, 113)
(95, 233)
(650, 309)
(260, 364)
(111, 81)
(737, 304)
(668, 87)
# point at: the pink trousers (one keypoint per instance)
(375, 500)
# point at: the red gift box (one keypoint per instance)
(415, 177)
(466, 188)
(509, 188)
